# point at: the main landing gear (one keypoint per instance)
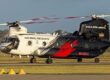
(49, 60)
(33, 59)
(97, 60)
(79, 60)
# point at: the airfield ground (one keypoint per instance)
(55, 77)
(60, 66)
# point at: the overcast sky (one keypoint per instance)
(12, 10)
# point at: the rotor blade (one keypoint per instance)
(73, 17)
(54, 19)
(93, 16)
(3, 24)
(100, 16)
(33, 22)
(51, 21)
(30, 20)
(26, 21)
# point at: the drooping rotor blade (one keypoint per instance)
(93, 16)
(73, 17)
(26, 21)
(32, 22)
(38, 20)
(20, 22)
(100, 16)
(52, 19)
(3, 24)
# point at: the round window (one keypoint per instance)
(44, 43)
(29, 43)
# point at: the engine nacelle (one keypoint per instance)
(17, 30)
(97, 28)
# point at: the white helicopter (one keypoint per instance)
(20, 42)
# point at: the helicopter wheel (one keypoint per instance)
(97, 60)
(79, 60)
(49, 60)
(33, 60)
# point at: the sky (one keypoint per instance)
(14, 10)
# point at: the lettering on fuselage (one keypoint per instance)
(96, 27)
(30, 38)
(43, 38)
(39, 38)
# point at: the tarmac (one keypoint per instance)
(57, 68)
(8, 62)
(56, 77)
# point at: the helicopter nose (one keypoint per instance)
(4, 48)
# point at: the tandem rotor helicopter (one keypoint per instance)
(90, 41)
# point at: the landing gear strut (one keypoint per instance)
(33, 59)
(79, 60)
(97, 60)
(49, 60)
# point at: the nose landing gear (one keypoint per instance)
(33, 59)
(79, 60)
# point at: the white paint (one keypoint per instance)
(37, 47)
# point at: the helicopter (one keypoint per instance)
(90, 41)
(20, 42)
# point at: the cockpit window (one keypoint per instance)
(6, 40)
(13, 41)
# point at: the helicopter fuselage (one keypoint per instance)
(27, 44)
(76, 47)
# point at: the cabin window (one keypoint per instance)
(29, 43)
(14, 42)
(44, 43)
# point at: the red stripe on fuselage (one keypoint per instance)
(66, 49)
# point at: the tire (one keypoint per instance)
(97, 60)
(49, 61)
(79, 60)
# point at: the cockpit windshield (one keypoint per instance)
(8, 40)
(13, 42)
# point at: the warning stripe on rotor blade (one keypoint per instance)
(71, 17)
(49, 19)
(34, 19)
